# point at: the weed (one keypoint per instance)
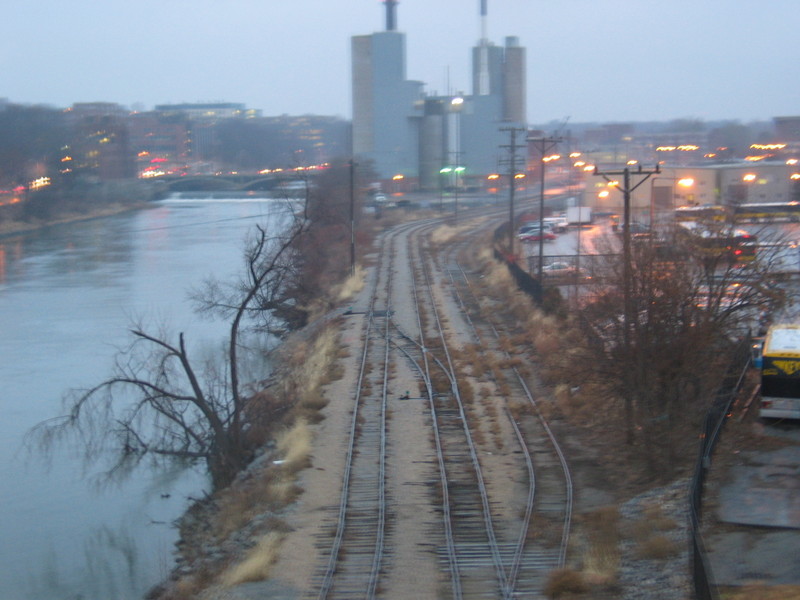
(602, 554)
(562, 582)
(294, 445)
(257, 563)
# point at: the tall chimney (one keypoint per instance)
(484, 13)
(391, 18)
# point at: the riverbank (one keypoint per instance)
(12, 228)
(81, 201)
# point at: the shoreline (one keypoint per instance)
(11, 229)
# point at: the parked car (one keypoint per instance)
(557, 224)
(534, 227)
(559, 269)
(564, 270)
(534, 235)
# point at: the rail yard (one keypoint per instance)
(452, 483)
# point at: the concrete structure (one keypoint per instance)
(402, 130)
(384, 104)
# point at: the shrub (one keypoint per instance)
(565, 581)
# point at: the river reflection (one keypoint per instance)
(67, 297)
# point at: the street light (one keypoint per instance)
(456, 104)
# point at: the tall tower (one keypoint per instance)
(384, 102)
(514, 82)
(481, 84)
(497, 101)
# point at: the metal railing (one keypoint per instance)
(702, 576)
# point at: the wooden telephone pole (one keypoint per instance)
(627, 189)
(512, 181)
(543, 146)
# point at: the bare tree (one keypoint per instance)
(663, 355)
(163, 402)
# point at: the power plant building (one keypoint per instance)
(437, 139)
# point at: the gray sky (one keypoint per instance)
(589, 60)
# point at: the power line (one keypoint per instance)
(512, 179)
(543, 145)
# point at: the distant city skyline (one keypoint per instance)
(588, 60)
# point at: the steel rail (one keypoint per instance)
(345, 497)
(569, 491)
(484, 496)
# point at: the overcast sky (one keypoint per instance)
(588, 60)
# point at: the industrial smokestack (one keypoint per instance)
(391, 16)
(484, 13)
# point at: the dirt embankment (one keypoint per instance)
(262, 526)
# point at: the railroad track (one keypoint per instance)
(471, 529)
(550, 490)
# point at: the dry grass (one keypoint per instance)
(353, 284)
(445, 233)
(294, 445)
(256, 565)
(565, 583)
(601, 561)
(312, 366)
(756, 592)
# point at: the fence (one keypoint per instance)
(525, 282)
(702, 576)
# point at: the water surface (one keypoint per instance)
(68, 295)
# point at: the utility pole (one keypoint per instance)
(543, 145)
(457, 170)
(627, 189)
(352, 217)
(512, 181)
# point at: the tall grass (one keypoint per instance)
(294, 445)
(256, 564)
(352, 285)
(602, 530)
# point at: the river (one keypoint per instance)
(67, 297)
